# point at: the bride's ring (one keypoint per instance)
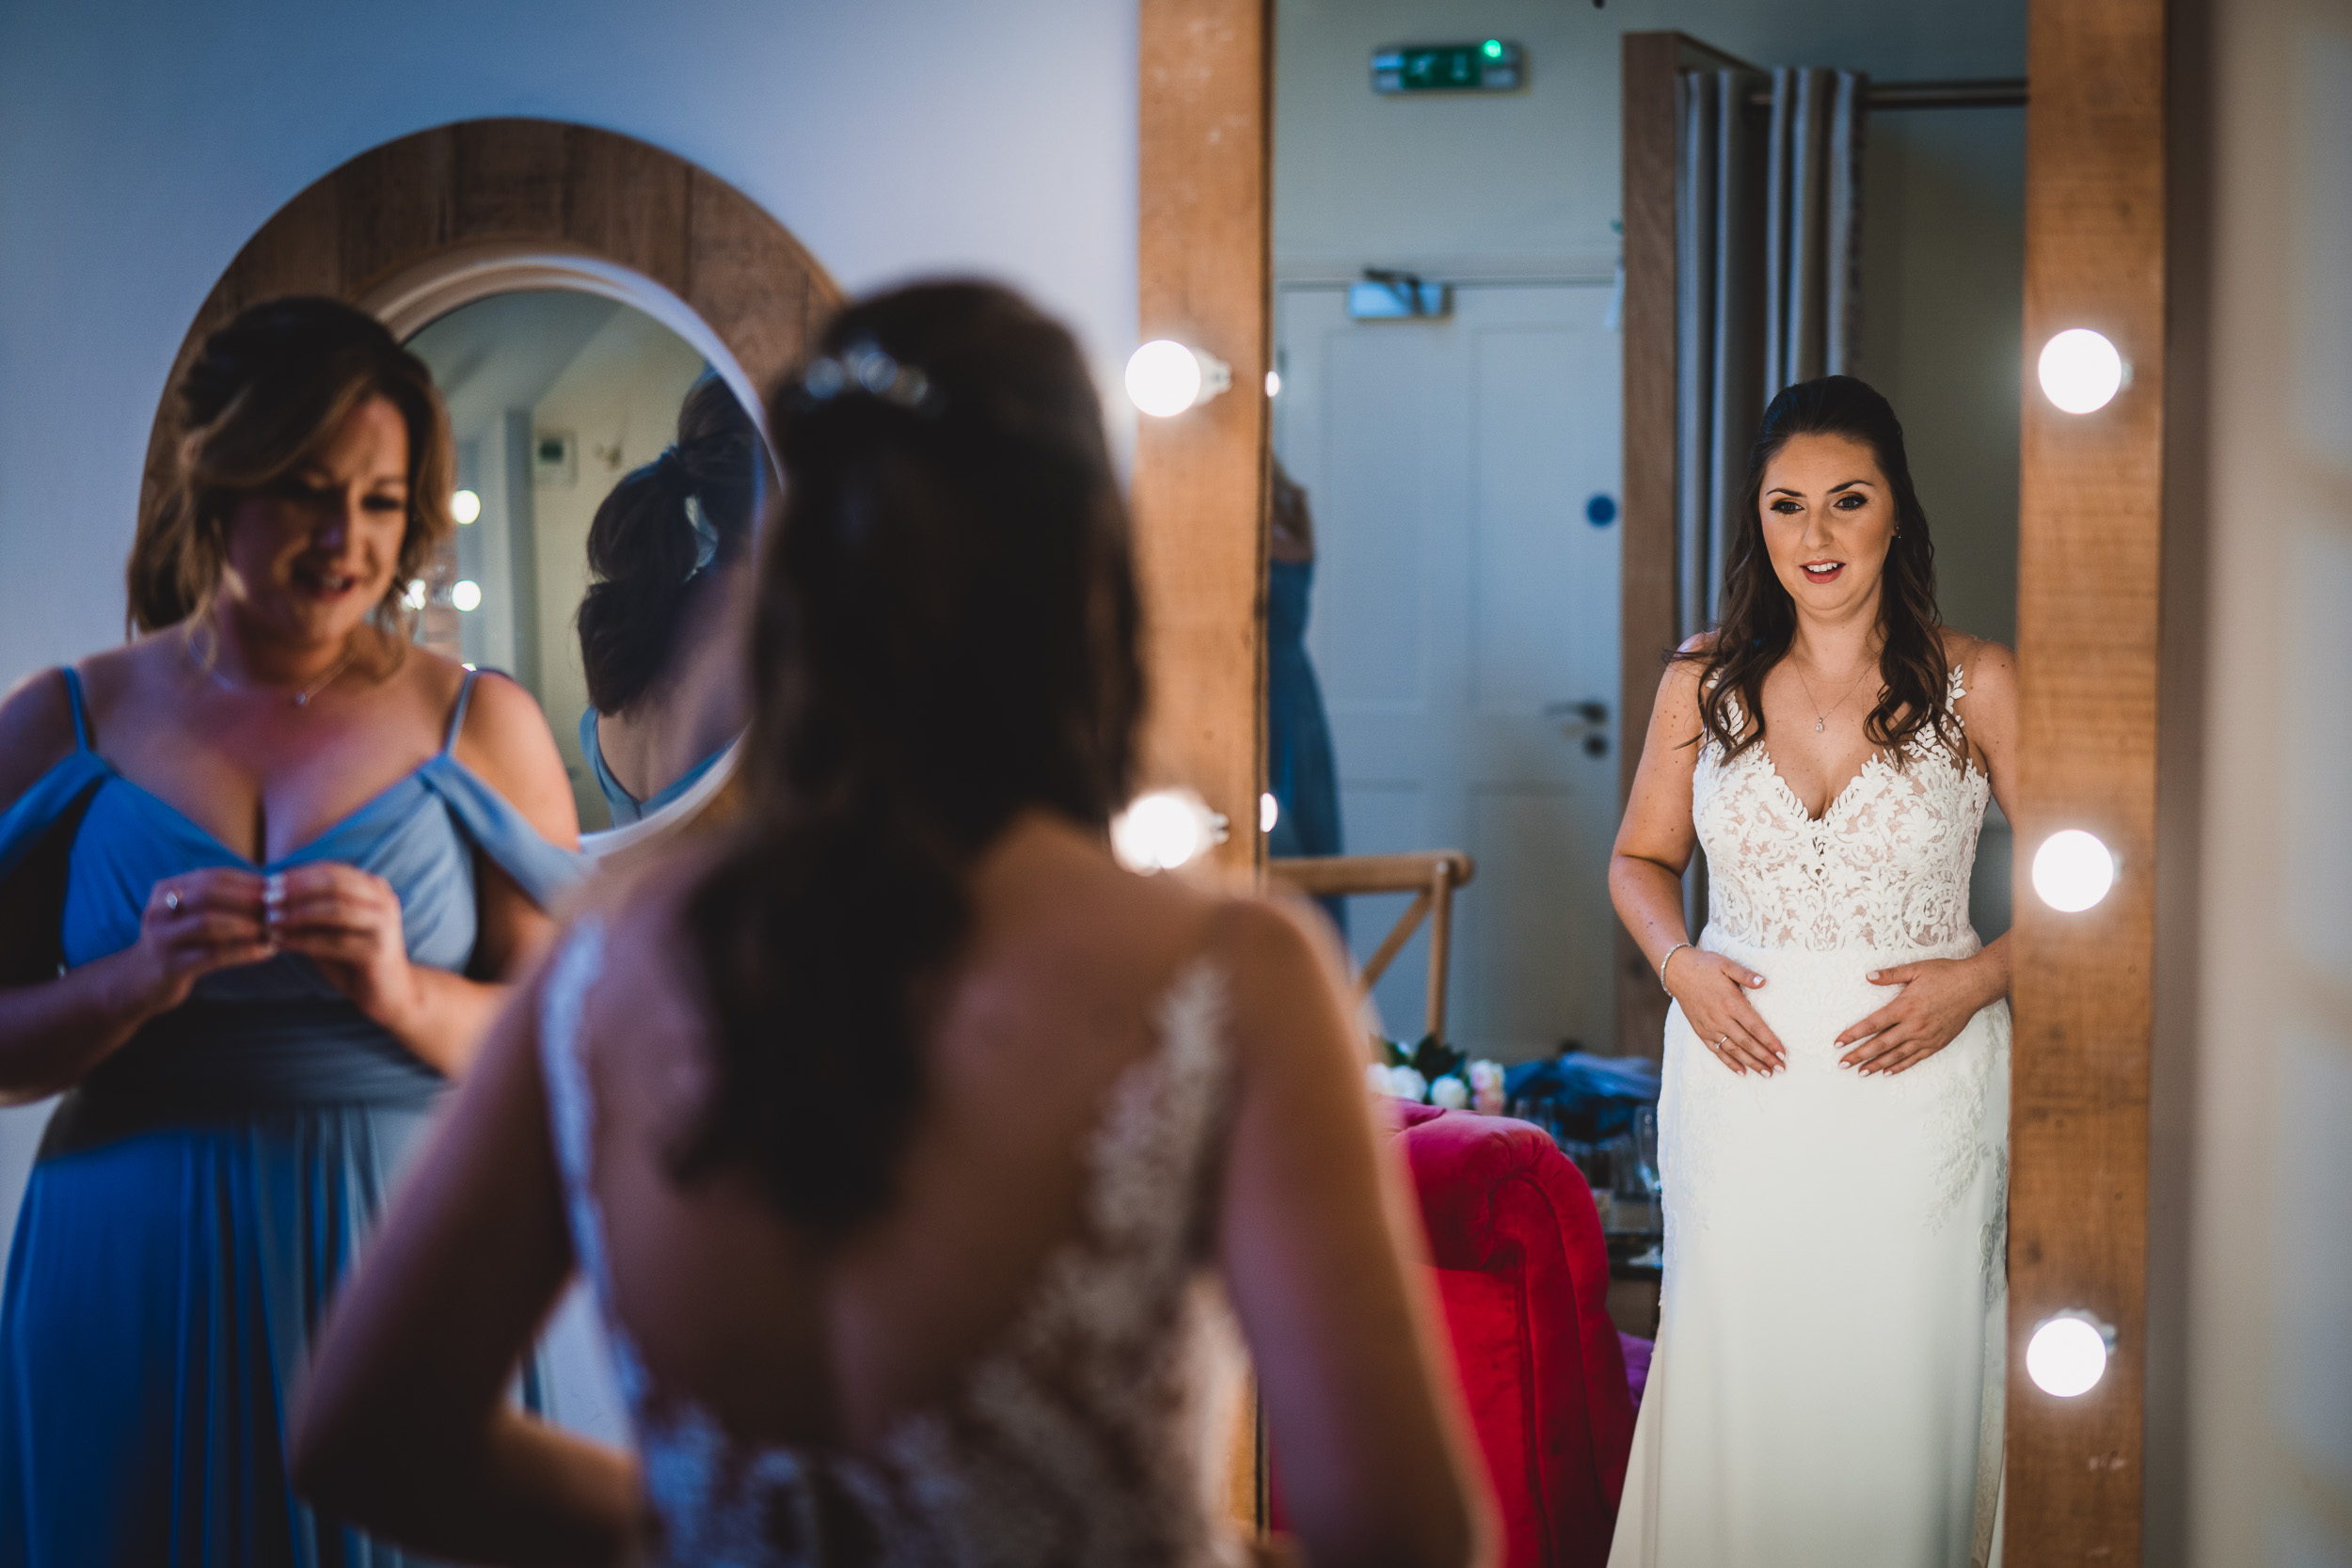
(1722, 1040)
(171, 900)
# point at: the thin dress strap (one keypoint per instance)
(73, 694)
(457, 718)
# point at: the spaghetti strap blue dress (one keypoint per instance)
(199, 1194)
(627, 808)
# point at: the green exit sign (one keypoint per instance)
(1491, 65)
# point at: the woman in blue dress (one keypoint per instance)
(661, 629)
(262, 872)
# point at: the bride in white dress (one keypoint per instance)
(1833, 1126)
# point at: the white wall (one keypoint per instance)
(2268, 1150)
(141, 144)
(1526, 184)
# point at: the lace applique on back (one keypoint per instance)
(1089, 1433)
(1885, 866)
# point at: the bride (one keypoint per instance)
(1833, 1128)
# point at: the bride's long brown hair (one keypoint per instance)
(1760, 620)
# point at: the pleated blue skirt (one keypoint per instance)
(175, 1255)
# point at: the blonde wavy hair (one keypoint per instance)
(264, 394)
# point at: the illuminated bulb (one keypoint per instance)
(1274, 384)
(1269, 812)
(2068, 1353)
(1165, 377)
(2080, 370)
(467, 595)
(414, 599)
(1163, 830)
(464, 506)
(2072, 870)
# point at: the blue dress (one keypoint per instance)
(627, 808)
(199, 1192)
(1302, 774)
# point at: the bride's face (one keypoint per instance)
(1828, 518)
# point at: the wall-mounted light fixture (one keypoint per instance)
(2068, 1353)
(1166, 377)
(2072, 870)
(2080, 370)
(1269, 812)
(1164, 829)
(464, 506)
(466, 594)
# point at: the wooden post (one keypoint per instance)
(1200, 490)
(2089, 532)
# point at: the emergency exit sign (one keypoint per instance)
(1490, 64)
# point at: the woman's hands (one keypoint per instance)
(195, 922)
(1938, 998)
(346, 920)
(1713, 991)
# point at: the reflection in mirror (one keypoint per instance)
(1526, 325)
(610, 484)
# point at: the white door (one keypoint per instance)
(1463, 478)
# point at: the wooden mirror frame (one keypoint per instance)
(419, 226)
(2091, 524)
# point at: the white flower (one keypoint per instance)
(1450, 1092)
(1405, 1084)
(1485, 1075)
(1377, 1077)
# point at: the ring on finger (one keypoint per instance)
(171, 900)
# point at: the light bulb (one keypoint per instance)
(2068, 1353)
(1165, 377)
(1274, 384)
(1269, 812)
(1163, 830)
(414, 599)
(2080, 370)
(2072, 870)
(467, 595)
(464, 506)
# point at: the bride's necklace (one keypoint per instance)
(301, 698)
(1820, 716)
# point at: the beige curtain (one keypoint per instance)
(1768, 230)
(1767, 224)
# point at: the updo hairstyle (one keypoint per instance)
(644, 546)
(945, 636)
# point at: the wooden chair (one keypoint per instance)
(1431, 875)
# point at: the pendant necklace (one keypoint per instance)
(1820, 719)
(301, 698)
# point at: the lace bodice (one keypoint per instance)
(1089, 1433)
(1884, 867)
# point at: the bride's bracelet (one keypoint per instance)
(1667, 959)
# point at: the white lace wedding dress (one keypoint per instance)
(1091, 1433)
(1828, 1379)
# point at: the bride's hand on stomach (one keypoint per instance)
(346, 920)
(1938, 998)
(1712, 992)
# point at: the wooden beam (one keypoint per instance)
(1199, 489)
(2090, 530)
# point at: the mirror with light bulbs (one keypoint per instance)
(611, 481)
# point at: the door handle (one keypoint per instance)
(1587, 718)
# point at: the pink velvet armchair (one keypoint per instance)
(1524, 1273)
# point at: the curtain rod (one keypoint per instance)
(2002, 93)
